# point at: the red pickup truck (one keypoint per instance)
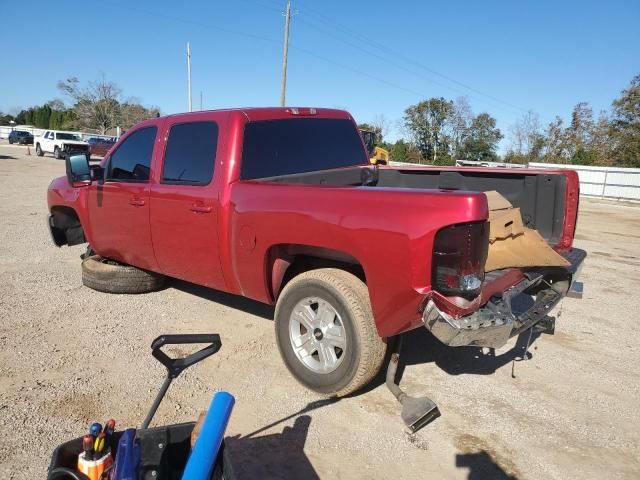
(282, 206)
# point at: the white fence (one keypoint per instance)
(36, 132)
(605, 182)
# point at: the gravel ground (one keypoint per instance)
(69, 356)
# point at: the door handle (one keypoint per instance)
(200, 208)
(136, 202)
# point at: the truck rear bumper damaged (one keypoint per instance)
(503, 317)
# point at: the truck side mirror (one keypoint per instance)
(78, 172)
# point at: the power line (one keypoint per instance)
(362, 38)
(270, 40)
(381, 57)
(310, 53)
(206, 26)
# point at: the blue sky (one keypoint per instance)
(365, 56)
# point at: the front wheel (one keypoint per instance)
(326, 333)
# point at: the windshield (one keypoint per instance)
(283, 147)
(67, 136)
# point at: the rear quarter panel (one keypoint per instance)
(389, 232)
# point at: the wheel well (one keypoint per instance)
(287, 261)
(66, 226)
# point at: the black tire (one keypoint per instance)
(364, 350)
(56, 153)
(10, 142)
(108, 276)
(39, 151)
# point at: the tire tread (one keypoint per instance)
(356, 296)
(109, 278)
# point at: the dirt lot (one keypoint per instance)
(69, 355)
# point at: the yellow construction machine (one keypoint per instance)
(377, 155)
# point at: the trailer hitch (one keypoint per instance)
(416, 412)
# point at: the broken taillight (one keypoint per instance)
(459, 255)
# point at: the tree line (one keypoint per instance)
(438, 131)
(98, 106)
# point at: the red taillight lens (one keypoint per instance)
(459, 255)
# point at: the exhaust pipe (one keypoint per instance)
(416, 412)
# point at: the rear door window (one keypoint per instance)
(191, 153)
(131, 162)
(281, 147)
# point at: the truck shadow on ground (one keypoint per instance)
(281, 455)
(7, 157)
(421, 347)
(481, 466)
(232, 301)
(272, 456)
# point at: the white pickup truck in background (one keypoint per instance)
(60, 144)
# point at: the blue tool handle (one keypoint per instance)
(128, 457)
(203, 456)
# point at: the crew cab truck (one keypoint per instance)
(281, 205)
(61, 144)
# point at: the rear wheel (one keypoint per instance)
(56, 153)
(109, 276)
(10, 141)
(326, 333)
(39, 151)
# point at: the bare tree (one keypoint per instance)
(381, 124)
(460, 124)
(527, 140)
(97, 105)
(581, 128)
(100, 105)
(602, 141)
(556, 145)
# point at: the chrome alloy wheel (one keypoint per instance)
(317, 335)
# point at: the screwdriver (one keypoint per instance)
(87, 446)
(109, 428)
(95, 429)
(99, 443)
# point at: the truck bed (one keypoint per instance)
(541, 195)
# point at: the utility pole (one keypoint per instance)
(287, 20)
(189, 73)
